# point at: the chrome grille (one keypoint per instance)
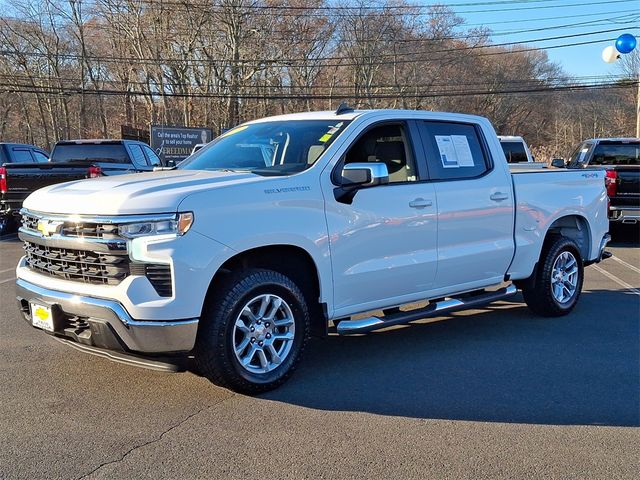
(76, 229)
(30, 221)
(103, 258)
(78, 265)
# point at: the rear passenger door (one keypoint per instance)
(475, 206)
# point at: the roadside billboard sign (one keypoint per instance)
(176, 143)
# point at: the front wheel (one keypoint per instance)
(253, 331)
(558, 279)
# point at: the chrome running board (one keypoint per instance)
(369, 324)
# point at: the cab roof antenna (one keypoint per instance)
(343, 108)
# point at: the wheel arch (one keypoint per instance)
(290, 260)
(575, 227)
(529, 247)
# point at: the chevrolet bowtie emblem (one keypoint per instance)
(48, 227)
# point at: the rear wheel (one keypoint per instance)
(556, 286)
(253, 331)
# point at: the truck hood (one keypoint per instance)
(138, 193)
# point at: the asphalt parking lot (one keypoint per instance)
(489, 393)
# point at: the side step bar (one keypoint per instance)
(369, 324)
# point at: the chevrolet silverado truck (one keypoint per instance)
(313, 223)
(620, 158)
(70, 160)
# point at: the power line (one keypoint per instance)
(339, 11)
(501, 22)
(290, 62)
(379, 6)
(430, 94)
(343, 86)
(462, 36)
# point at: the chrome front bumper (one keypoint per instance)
(105, 323)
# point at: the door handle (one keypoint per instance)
(420, 203)
(498, 196)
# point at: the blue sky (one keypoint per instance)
(557, 15)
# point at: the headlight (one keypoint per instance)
(177, 226)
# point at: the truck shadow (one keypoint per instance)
(502, 364)
(625, 236)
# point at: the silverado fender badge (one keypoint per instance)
(288, 189)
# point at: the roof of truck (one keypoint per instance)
(96, 141)
(352, 114)
(613, 139)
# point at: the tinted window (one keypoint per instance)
(610, 153)
(387, 144)
(267, 148)
(103, 152)
(514, 151)
(579, 154)
(40, 157)
(138, 155)
(22, 156)
(454, 151)
(151, 156)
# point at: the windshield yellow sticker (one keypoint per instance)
(235, 130)
(327, 136)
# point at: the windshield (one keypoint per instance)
(100, 152)
(610, 153)
(268, 148)
(514, 151)
(579, 154)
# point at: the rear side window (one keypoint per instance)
(514, 151)
(21, 155)
(454, 150)
(97, 152)
(616, 153)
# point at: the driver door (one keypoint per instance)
(384, 243)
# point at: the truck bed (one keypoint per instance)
(538, 195)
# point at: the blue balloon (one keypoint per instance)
(626, 43)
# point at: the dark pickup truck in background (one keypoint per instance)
(11, 153)
(69, 160)
(621, 159)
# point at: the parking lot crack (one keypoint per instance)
(154, 440)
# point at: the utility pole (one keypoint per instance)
(638, 109)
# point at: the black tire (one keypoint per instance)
(538, 293)
(6, 224)
(214, 351)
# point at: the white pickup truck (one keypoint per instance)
(293, 225)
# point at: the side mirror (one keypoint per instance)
(558, 163)
(171, 163)
(360, 175)
(364, 174)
